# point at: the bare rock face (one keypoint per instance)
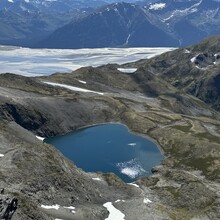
(203, 60)
(7, 206)
(194, 70)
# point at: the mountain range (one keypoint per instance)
(31, 6)
(79, 24)
(164, 23)
(25, 22)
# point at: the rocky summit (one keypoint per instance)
(156, 101)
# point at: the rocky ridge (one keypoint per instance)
(194, 70)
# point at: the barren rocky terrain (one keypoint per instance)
(186, 129)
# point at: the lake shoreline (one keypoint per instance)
(127, 167)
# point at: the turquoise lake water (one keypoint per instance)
(109, 148)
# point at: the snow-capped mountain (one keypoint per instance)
(119, 24)
(78, 24)
(188, 21)
(51, 5)
(23, 22)
(162, 23)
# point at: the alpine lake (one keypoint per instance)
(109, 148)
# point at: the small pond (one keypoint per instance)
(109, 148)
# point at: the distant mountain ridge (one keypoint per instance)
(164, 23)
(188, 21)
(119, 24)
(25, 22)
(51, 5)
(93, 23)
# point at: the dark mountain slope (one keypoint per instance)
(25, 29)
(187, 21)
(164, 23)
(116, 25)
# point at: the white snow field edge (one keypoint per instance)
(157, 6)
(147, 201)
(77, 89)
(134, 184)
(127, 70)
(31, 62)
(40, 138)
(96, 179)
(114, 214)
(57, 207)
(50, 206)
(2, 155)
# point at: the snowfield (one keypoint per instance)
(157, 6)
(114, 214)
(35, 62)
(40, 138)
(127, 70)
(73, 88)
(50, 206)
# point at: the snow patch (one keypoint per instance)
(11, 1)
(81, 81)
(2, 155)
(157, 6)
(114, 214)
(134, 184)
(186, 51)
(127, 70)
(40, 138)
(71, 208)
(97, 179)
(50, 206)
(58, 207)
(127, 39)
(168, 18)
(131, 168)
(73, 88)
(186, 11)
(147, 201)
(193, 59)
(117, 201)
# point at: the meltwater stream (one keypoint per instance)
(109, 148)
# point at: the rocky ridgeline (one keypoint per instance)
(195, 70)
(203, 60)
